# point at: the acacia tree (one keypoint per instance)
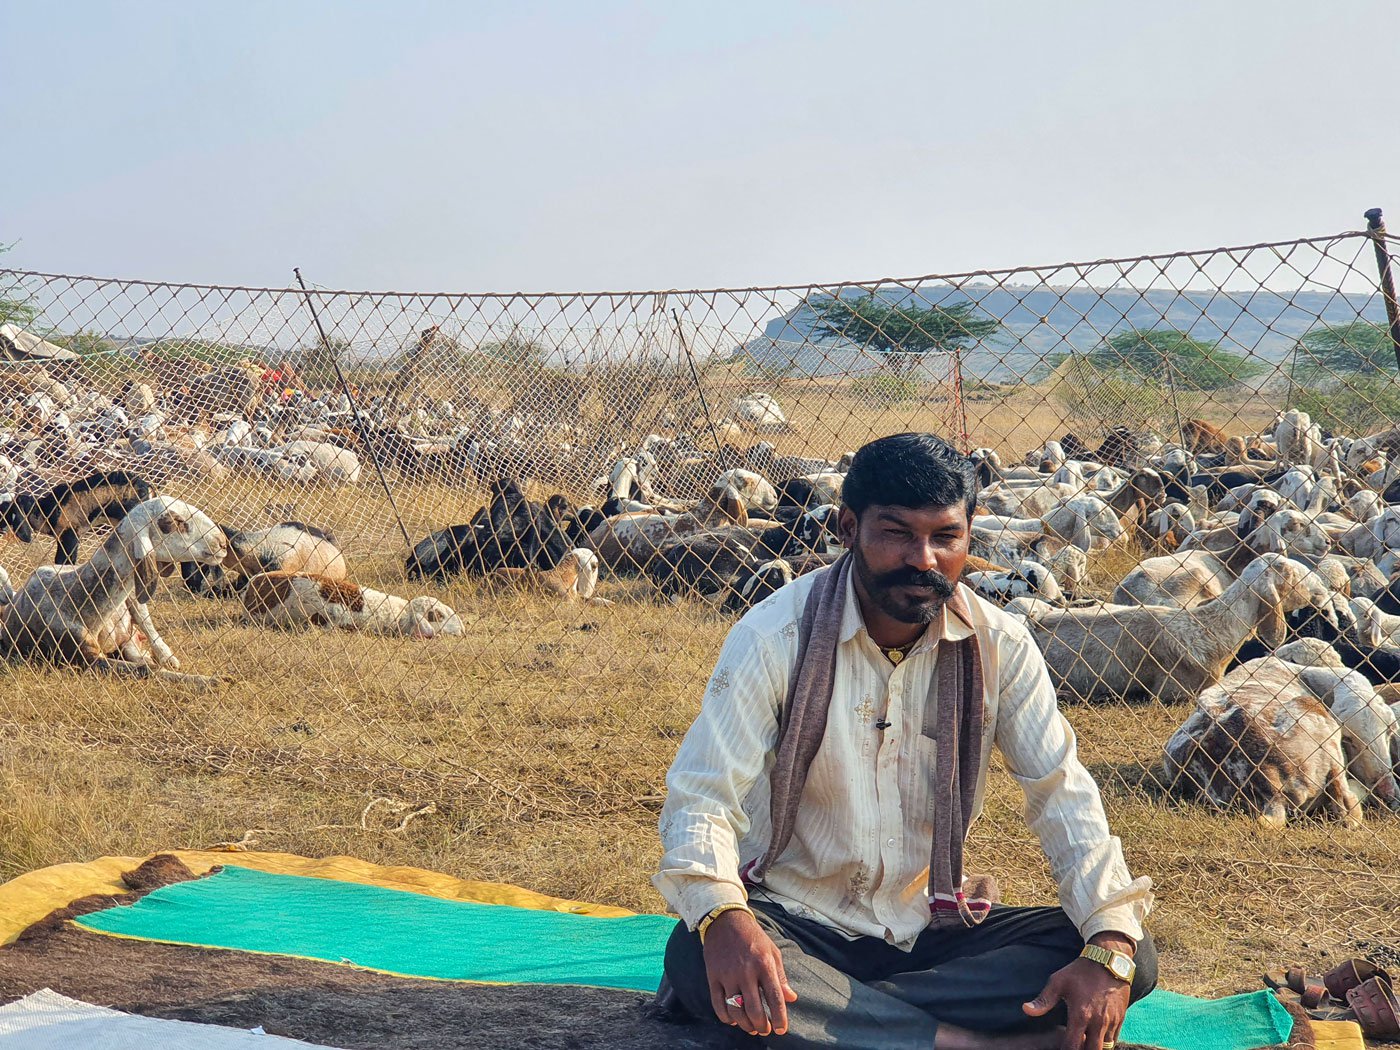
(876, 323)
(1359, 347)
(1162, 355)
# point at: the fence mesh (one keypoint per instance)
(1146, 428)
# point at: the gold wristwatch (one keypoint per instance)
(1116, 963)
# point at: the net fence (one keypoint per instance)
(1187, 461)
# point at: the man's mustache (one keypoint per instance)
(942, 586)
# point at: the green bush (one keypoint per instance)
(1095, 399)
(1356, 405)
(886, 388)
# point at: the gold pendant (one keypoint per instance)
(895, 656)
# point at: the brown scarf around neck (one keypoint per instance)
(953, 717)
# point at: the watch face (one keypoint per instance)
(1120, 966)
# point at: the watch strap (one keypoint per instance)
(1109, 960)
(714, 913)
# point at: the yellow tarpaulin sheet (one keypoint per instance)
(26, 899)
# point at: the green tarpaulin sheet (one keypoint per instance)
(1180, 1022)
(392, 930)
(421, 936)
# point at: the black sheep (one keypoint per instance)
(510, 533)
(70, 509)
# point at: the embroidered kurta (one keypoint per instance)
(859, 855)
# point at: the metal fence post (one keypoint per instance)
(1375, 226)
(959, 403)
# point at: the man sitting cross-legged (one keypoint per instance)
(817, 809)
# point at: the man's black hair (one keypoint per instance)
(909, 470)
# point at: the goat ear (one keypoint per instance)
(142, 546)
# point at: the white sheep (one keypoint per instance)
(1168, 653)
(64, 613)
(317, 462)
(290, 600)
(1189, 577)
(1371, 539)
(1025, 578)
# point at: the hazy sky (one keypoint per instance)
(608, 144)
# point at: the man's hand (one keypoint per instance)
(1094, 999)
(740, 959)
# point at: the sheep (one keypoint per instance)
(1264, 738)
(317, 462)
(630, 541)
(289, 546)
(986, 462)
(512, 532)
(631, 478)
(1370, 729)
(758, 494)
(62, 614)
(1363, 506)
(749, 588)
(292, 600)
(1024, 579)
(701, 564)
(1375, 627)
(1015, 500)
(815, 530)
(1189, 577)
(1203, 438)
(574, 578)
(70, 509)
(1296, 437)
(1166, 653)
(760, 412)
(1371, 539)
(1086, 522)
(1169, 526)
(1069, 563)
(811, 490)
(1048, 458)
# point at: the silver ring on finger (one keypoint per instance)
(736, 1001)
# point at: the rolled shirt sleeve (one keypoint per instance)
(722, 755)
(1063, 805)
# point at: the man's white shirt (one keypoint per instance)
(859, 855)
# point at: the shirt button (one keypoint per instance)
(890, 842)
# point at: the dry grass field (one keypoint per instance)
(534, 749)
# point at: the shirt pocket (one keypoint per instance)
(922, 775)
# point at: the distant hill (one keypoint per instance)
(1041, 320)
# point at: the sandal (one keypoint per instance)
(1348, 975)
(1376, 1009)
(1311, 992)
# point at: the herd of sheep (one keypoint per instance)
(1260, 593)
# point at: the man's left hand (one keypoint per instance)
(1094, 999)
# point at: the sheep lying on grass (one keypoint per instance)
(289, 599)
(289, 546)
(575, 578)
(79, 614)
(1280, 736)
